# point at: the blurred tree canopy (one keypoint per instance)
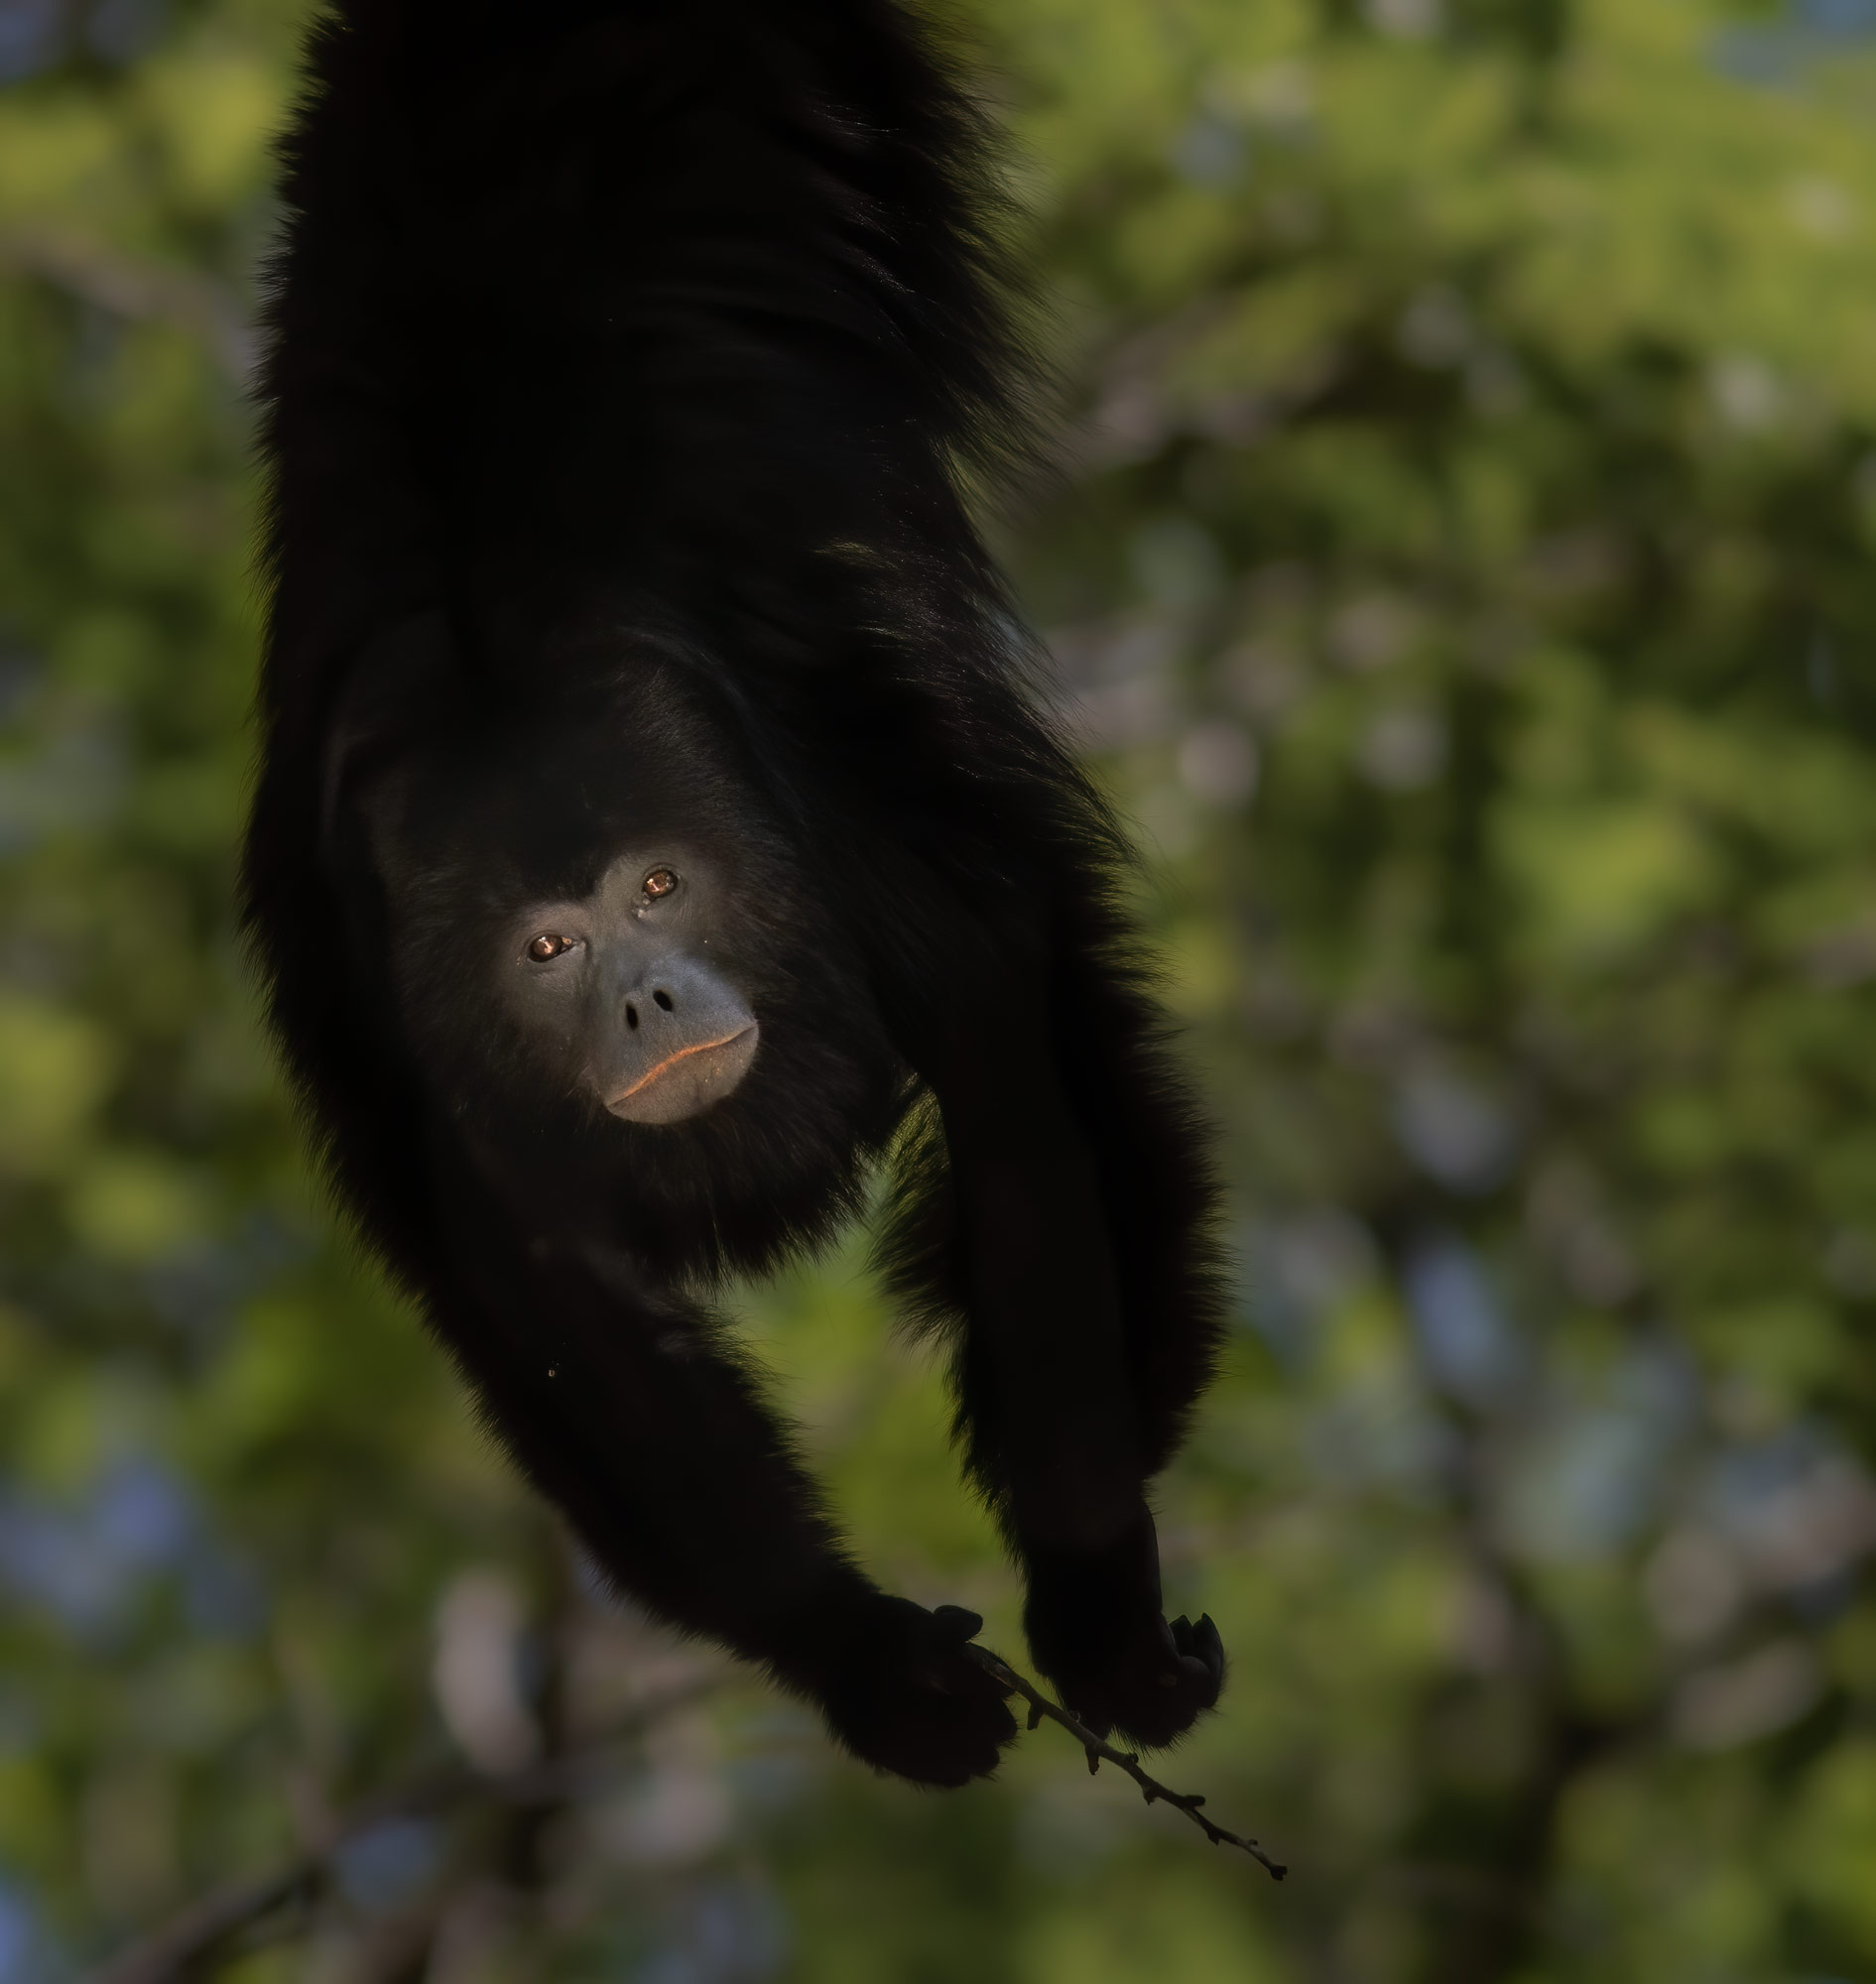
(1457, 555)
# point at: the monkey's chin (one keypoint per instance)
(689, 1081)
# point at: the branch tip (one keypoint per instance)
(1098, 1752)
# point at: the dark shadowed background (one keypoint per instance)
(1460, 556)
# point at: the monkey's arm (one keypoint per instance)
(625, 1409)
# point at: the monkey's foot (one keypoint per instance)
(1151, 1682)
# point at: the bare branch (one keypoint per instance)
(1099, 1751)
(131, 287)
(170, 1954)
(173, 1951)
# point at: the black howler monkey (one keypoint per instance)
(654, 837)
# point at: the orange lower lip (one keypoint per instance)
(645, 1079)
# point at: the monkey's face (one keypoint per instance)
(630, 989)
(593, 905)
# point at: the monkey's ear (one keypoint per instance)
(401, 689)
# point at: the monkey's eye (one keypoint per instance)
(548, 947)
(660, 881)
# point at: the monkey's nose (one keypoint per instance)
(688, 1039)
(660, 998)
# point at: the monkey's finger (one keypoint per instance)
(1201, 1640)
(1208, 1646)
(956, 1623)
(1196, 1681)
(1201, 1659)
(1178, 1640)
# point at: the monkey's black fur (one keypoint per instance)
(628, 633)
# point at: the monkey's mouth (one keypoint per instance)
(688, 1079)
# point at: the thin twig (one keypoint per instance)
(171, 1951)
(1099, 1751)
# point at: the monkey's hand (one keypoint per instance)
(1097, 1631)
(902, 1694)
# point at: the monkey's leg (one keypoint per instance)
(1062, 1413)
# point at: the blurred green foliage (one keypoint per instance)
(1457, 555)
